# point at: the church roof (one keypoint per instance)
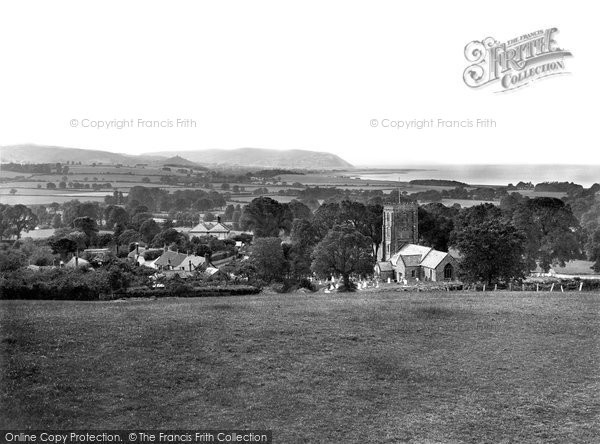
(433, 259)
(414, 249)
(413, 255)
(385, 266)
(411, 260)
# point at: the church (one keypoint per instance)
(400, 257)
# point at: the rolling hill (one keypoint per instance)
(264, 158)
(51, 154)
(243, 157)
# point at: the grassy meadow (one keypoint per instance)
(379, 367)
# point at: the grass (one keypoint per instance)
(362, 367)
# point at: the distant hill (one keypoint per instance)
(264, 158)
(243, 157)
(180, 162)
(52, 154)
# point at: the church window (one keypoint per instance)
(448, 271)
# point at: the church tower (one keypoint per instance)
(400, 226)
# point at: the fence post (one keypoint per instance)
(523, 287)
(537, 287)
(495, 287)
(510, 286)
(561, 289)
(552, 287)
(580, 285)
(483, 287)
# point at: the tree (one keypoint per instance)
(326, 216)
(129, 236)
(491, 250)
(304, 238)
(550, 230)
(299, 210)
(593, 249)
(266, 217)
(63, 247)
(267, 258)
(374, 225)
(5, 229)
(228, 214)
(104, 240)
(209, 217)
(88, 226)
(19, 218)
(12, 260)
(51, 185)
(169, 237)
(13, 191)
(235, 218)
(42, 256)
(138, 219)
(149, 229)
(344, 251)
(436, 223)
(115, 215)
(367, 219)
(56, 221)
(80, 238)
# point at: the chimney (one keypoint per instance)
(190, 262)
(218, 219)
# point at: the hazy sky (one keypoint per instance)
(282, 75)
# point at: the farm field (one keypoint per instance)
(363, 367)
(467, 203)
(45, 199)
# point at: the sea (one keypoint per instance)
(585, 175)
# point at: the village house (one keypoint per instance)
(192, 262)
(77, 262)
(170, 260)
(216, 229)
(145, 256)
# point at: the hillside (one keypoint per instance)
(246, 157)
(50, 154)
(180, 161)
(264, 158)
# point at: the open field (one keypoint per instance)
(45, 199)
(366, 367)
(466, 203)
(533, 194)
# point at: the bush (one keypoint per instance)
(209, 291)
(12, 260)
(71, 284)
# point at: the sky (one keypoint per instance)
(294, 75)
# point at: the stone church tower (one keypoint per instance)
(400, 226)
